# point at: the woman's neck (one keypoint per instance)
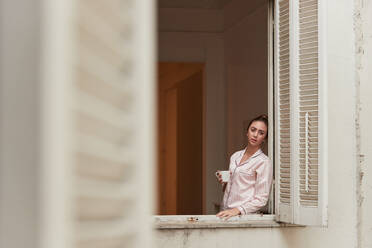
(250, 150)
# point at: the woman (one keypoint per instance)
(250, 174)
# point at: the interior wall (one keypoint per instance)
(193, 44)
(190, 20)
(246, 60)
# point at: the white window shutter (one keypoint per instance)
(310, 180)
(283, 194)
(113, 124)
(300, 106)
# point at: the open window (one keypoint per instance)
(283, 64)
(223, 52)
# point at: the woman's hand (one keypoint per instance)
(219, 178)
(226, 214)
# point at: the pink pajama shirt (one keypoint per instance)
(250, 183)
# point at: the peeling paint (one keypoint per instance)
(359, 52)
(185, 238)
(192, 219)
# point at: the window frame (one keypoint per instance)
(273, 219)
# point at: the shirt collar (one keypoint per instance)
(258, 152)
(237, 160)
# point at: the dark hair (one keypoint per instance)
(262, 118)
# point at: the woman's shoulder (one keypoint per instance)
(264, 163)
(264, 157)
(264, 160)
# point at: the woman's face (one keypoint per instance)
(256, 133)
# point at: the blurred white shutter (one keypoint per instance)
(302, 131)
(283, 90)
(112, 101)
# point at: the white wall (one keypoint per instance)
(349, 223)
(192, 42)
(363, 63)
(19, 123)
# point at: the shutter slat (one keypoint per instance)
(104, 234)
(102, 129)
(313, 23)
(100, 109)
(95, 167)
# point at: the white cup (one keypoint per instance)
(225, 175)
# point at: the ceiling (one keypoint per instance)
(193, 4)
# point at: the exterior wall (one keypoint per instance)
(19, 123)
(349, 149)
(363, 64)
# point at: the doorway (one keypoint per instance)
(180, 137)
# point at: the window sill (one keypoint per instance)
(211, 221)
